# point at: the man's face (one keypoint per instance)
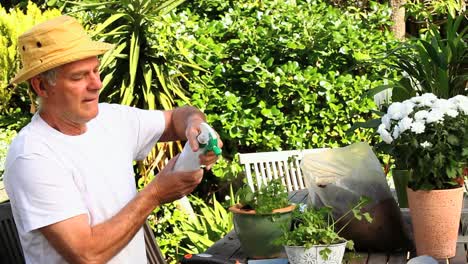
(74, 98)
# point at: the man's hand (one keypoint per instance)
(171, 185)
(192, 132)
(183, 123)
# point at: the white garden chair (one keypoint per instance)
(261, 167)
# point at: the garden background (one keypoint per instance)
(269, 75)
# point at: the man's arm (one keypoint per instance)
(78, 242)
(183, 123)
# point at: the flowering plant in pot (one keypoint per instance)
(314, 236)
(259, 216)
(429, 135)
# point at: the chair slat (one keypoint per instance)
(248, 174)
(275, 170)
(268, 171)
(292, 171)
(258, 175)
(299, 174)
(287, 175)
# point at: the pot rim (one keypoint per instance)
(435, 190)
(237, 210)
(321, 245)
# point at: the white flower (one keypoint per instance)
(405, 124)
(461, 101)
(426, 144)
(396, 111)
(444, 104)
(425, 100)
(408, 107)
(435, 116)
(428, 99)
(452, 113)
(396, 132)
(421, 115)
(418, 127)
(386, 121)
(384, 134)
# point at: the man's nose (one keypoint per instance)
(95, 82)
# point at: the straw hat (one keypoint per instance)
(53, 43)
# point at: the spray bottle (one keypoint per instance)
(189, 160)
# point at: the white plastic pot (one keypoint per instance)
(302, 255)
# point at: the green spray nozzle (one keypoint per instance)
(208, 139)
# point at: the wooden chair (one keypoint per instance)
(261, 167)
(11, 251)
(10, 247)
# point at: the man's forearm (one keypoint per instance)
(113, 235)
(100, 243)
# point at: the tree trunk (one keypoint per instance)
(398, 18)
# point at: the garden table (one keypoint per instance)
(228, 250)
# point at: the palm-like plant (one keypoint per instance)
(433, 64)
(138, 72)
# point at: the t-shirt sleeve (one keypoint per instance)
(42, 192)
(151, 128)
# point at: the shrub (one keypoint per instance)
(12, 24)
(283, 74)
(6, 136)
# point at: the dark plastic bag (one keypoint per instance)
(339, 177)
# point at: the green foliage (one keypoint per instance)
(265, 199)
(146, 68)
(433, 64)
(12, 24)
(317, 227)
(177, 234)
(6, 136)
(284, 74)
(434, 9)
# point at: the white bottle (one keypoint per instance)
(189, 160)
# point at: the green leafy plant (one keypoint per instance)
(283, 74)
(428, 136)
(6, 136)
(428, 11)
(432, 64)
(264, 200)
(313, 226)
(178, 234)
(13, 23)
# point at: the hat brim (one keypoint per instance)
(92, 48)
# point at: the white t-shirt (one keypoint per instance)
(50, 176)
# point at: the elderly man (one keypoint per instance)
(69, 172)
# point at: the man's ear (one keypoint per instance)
(37, 85)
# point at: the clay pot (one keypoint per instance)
(435, 218)
(257, 232)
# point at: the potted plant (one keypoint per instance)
(431, 135)
(435, 63)
(259, 217)
(315, 235)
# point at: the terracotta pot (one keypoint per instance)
(257, 233)
(435, 219)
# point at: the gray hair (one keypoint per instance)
(50, 76)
